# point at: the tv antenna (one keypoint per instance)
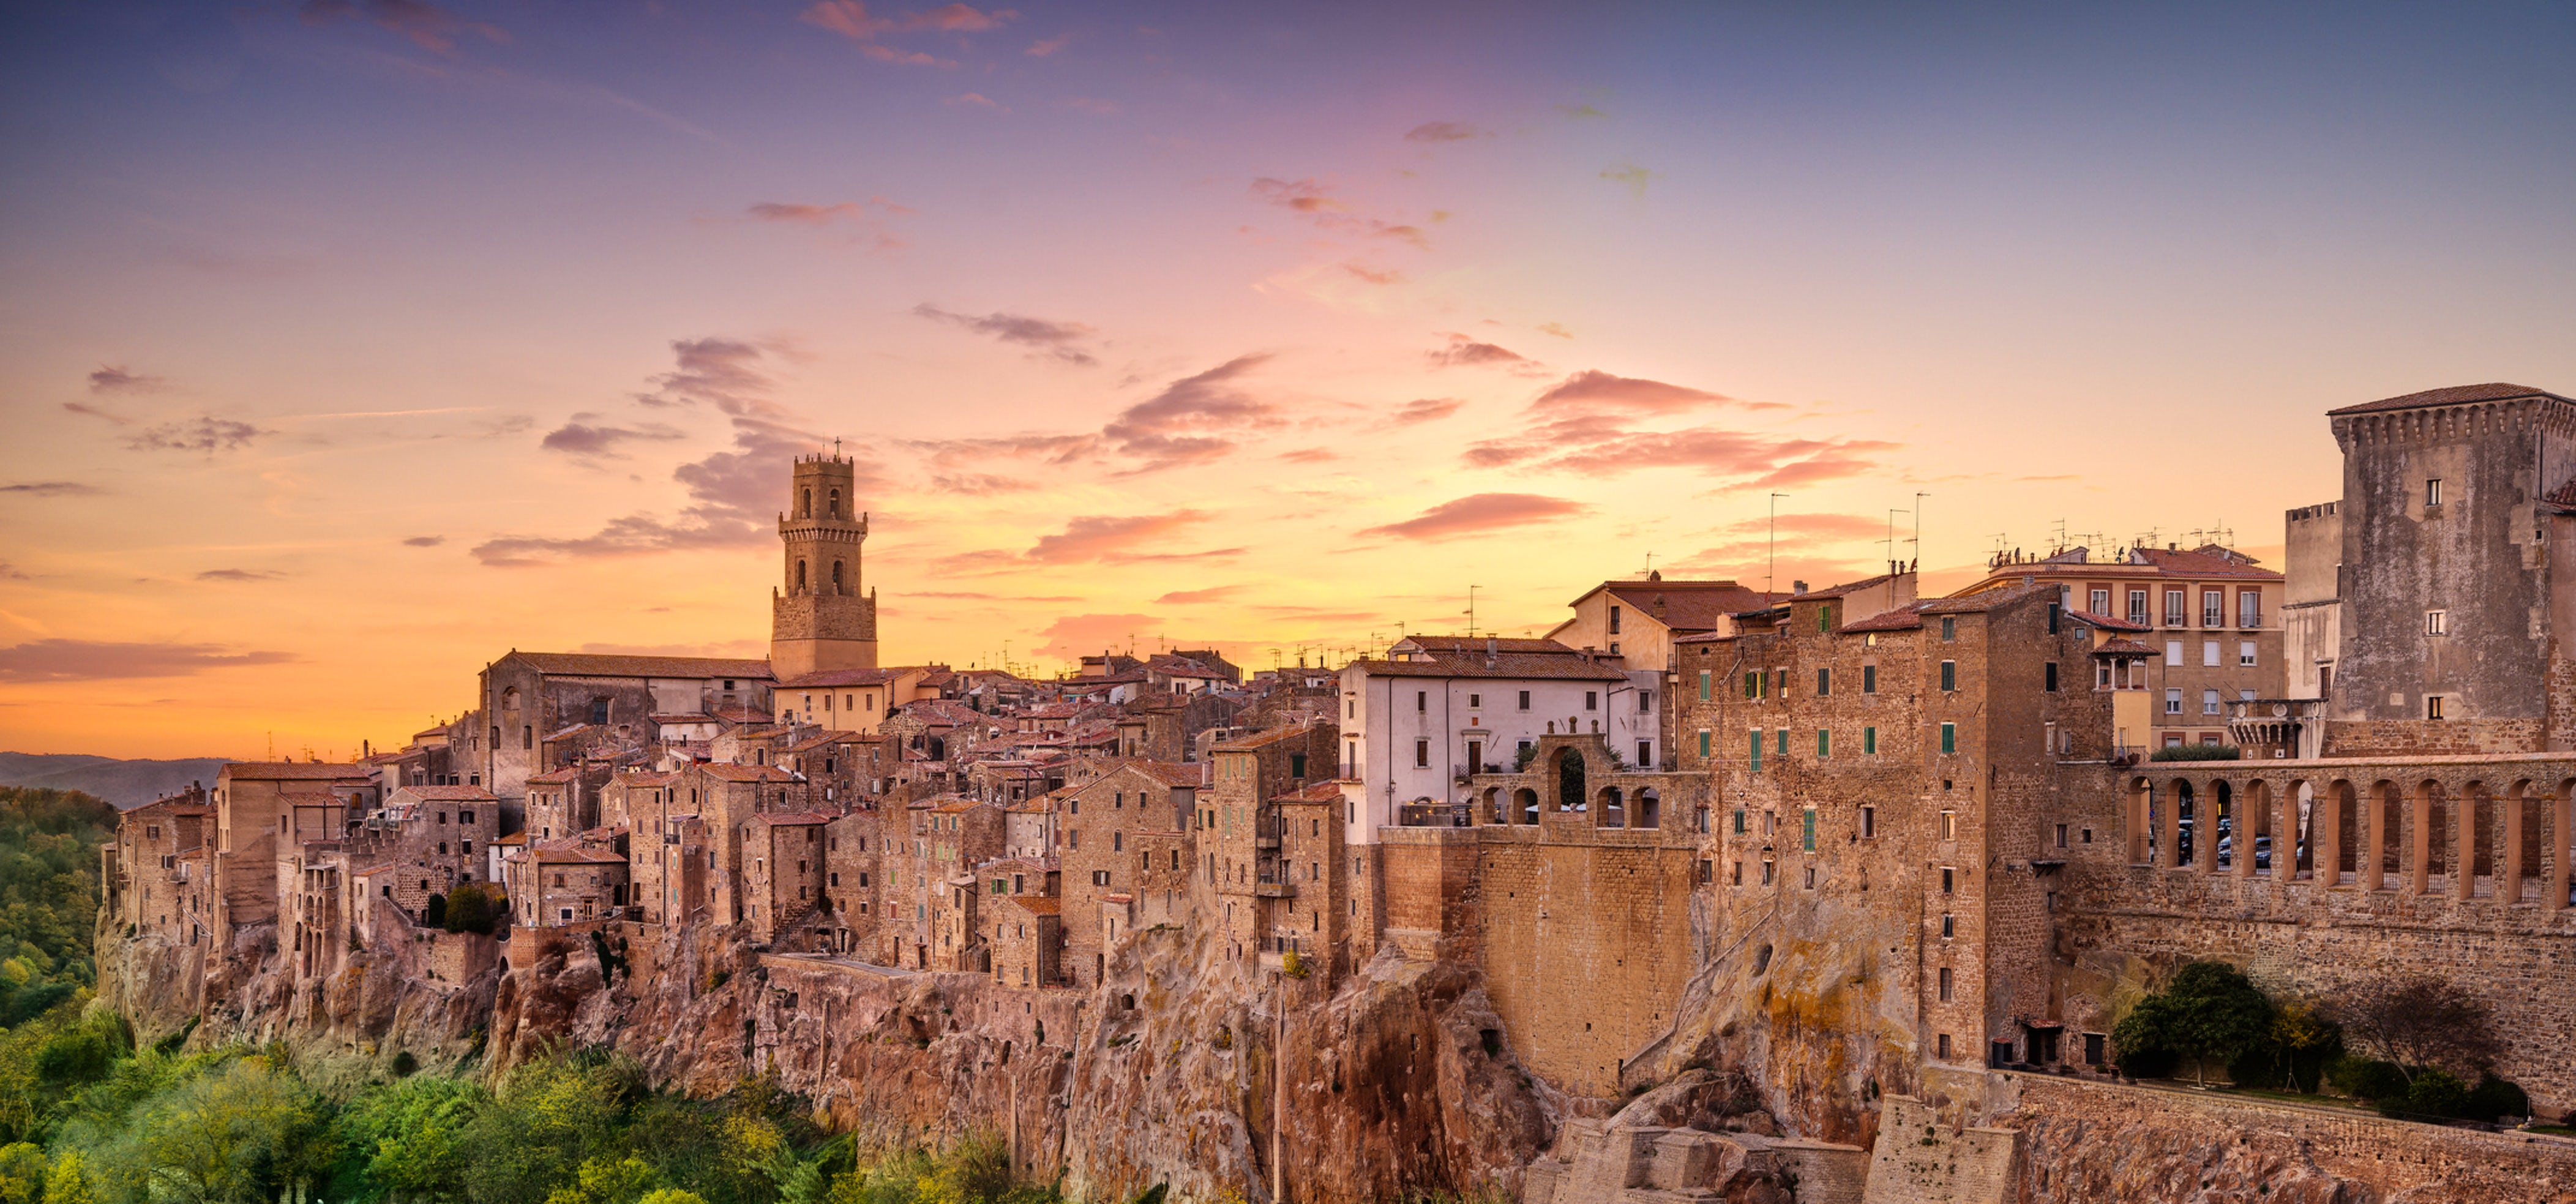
(1771, 579)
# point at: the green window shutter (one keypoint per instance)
(1869, 741)
(1752, 685)
(1757, 750)
(1824, 744)
(1949, 737)
(1869, 679)
(1824, 618)
(1739, 821)
(1784, 742)
(1811, 830)
(1949, 675)
(1703, 746)
(1824, 682)
(1704, 678)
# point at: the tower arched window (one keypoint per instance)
(836, 503)
(800, 576)
(805, 503)
(836, 579)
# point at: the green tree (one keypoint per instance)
(2208, 1011)
(604, 1180)
(22, 1173)
(68, 1182)
(547, 1119)
(476, 907)
(409, 1137)
(235, 1136)
(49, 892)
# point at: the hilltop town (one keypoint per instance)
(1837, 892)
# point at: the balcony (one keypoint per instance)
(1274, 886)
(2249, 620)
(1436, 815)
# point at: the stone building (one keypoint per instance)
(2453, 618)
(1028, 940)
(262, 808)
(2214, 613)
(1124, 832)
(150, 872)
(1639, 620)
(527, 695)
(820, 618)
(785, 873)
(567, 882)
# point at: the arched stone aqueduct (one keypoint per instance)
(2492, 828)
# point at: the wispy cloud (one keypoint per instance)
(1630, 175)
(429, 27)
(1190, 597)
(1477, 514)
(730, 491)
(1087, 635)
(111, 378)
(240, 575)
(583, 437)
(89, 660)
(869, 220)
(1442, 131)
(851, 19)
(1039, 50)
(1463, 351)
(204, 433)
(1310, 455)
(424, 541)
(1586, 424)
(1060, 341)
(1316, 203)
(976, 100)
(1099, 537)
(1424, 409)
(51, 489)
(1194, 419)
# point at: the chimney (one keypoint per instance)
(1797, 587)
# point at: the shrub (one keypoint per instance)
(1293, 964)
(405, 1063)
(474, 907)
(2197, 752)
(434, 914)
(2494, 1098)
(2435, 1092)
(2366, 1078)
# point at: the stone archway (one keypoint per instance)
(1569, 780)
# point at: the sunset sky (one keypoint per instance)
(346, 345)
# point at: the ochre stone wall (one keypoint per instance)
(1585, 947)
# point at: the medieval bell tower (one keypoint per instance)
(820, 620)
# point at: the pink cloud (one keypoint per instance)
(1050, 46)
(1089, 635)
(1478, 513)
(1463, 352)
(1104, 537)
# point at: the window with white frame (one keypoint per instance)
(2173, 653)
(2213, 607)
(2173, 700)
(2138, 606)
(2209, 654)
(2100, 602)
(2209, 702)
(2244, 653)
(2174, 607)
(2437, 622)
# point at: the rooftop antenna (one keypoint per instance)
(1892, 512)
(1771, 579)
(1471, 610)
(836, 447)
(1650, 565)
(2060, 536)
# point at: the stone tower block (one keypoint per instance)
(820, 618)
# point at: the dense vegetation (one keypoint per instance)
(2411, 1046)
(87, 1119)
(49, 843)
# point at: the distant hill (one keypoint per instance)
(124, 783)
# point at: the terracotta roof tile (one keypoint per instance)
(2124, 646)
(294, 771)
(446, 794)
(2106, 622)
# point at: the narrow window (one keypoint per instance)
(1703, 743)
(1756, 764)
(1824, 682)
(1949, 926)
(2173, 700)
(2209, 654)
(1645, 754)
(2437, 622)
(1869, 823)
(1753, 685)
(1949, 675)
(1946, 871)
(1475, 701)
(1422, 754)
(2433, 491)
(1825, 618)
(1705, 678)
(1949, 825)
(1524, 700)
(1949, 629)
(1945, 997)
(2432, 706)
(2049, 677)
(2244, 654)
(1784, 742)
(2213, 607)
(1421, 701)
(1810, 836)
(1592, 700)
(1869, 679)
(1949, 737)
(1869, 741)
(1614, 620)
(2209, 702)
(2061, 836)
(1824, 744)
